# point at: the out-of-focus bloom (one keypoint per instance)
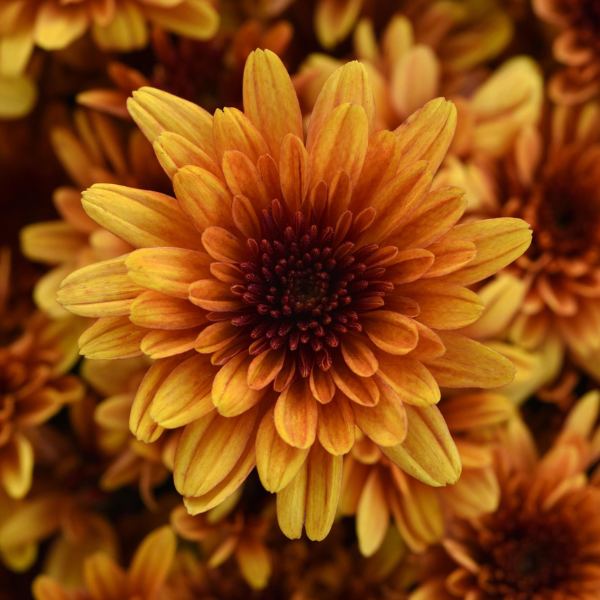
(544, 539)
(375, 489)
(576, 46)
(97, 149)
(106, 580)
(221, 538)
(299, 289)
(35, 357)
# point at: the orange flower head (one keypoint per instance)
(293, 289)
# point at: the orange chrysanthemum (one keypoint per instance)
(576, 46)
(297, 288)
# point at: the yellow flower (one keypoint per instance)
(298, 288)
(106, 580)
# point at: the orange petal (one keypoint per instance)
(209, 449)
(158, 311)
(234, 131)
(156, 111)
(409, 265)
(291, 504)
(427, 133)
(443, 305)
(112, 337)
(231, 393)
(349, 84)
(294, 171)
(392, 332)
(270, 100)
(323, 487)
(450, 257)
(245, 218)
(45, 588)
(185, 395)
(216, 336)
(498, 243)
(296, 414)
(467, 363)
(175, 152)
(52, 242)
(104, 578)
(16, 465)
(210, 294)
(428, 453)
(254, 562)
(358, 389)
(386, 423)
(322, 385)
(203, 197)
(265, 367)
(358, 356)
(103, 289)
(372, 515)
(277, 462)
(141, 218)
(244, 179)
(340, 145)
(224, 246)
(168, 270)
(163, 343)
(430, 345)
(335, 20)
(335, 426)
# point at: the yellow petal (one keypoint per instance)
(195, 19)
(158, 311)
(213, 295)
(372, 515)
(254, 562)
(126, 31)
(334, 20)
(16, 465)
(57, 25)
(224, 246)
(103, 577)
(234, 131)
(392, 332)
(161, 343)
(291, 505)
(112, 337)
(294, 171)
(335, 426)
(296, 414)
(51, 242)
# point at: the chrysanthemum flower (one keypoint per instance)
(293, 290)
(106, 580)
(375, 489)
(35, 357)
(576, 47)
(97, 149)
(544, 539)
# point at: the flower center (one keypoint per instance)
(305, 286)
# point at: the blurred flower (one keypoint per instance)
(35, 357)
(278, 321)
(97, 149)
(106, 580)
(576, 46)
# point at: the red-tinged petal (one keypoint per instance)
(175, 152)
(185, 395)
(291, 504)
(362, 390)
(151, 563)
(392, 332)
(324, 482)
(372, 514)
(467, 363)
(210, 294)
(427, 133)
(216, 336)
(294, 171)
(168, 270)
(358, 356)
(209, 449)
(224, 246)
(410, 379)
(103, 289)
(428, 453)
(231, 393)
(157, 112)
(340, 145)
(296, 414)
(204, 198)
(397, 200)
(243, 179)
(234, 131)
(380, 167)
(163, 343)
(335, 426)
(264, 368)
(386, 423)
(349, 84)
(443, 305)
(112, 337)
(16, 465)
(498, 241)
(277, 462)
(141, 218)
(322, 385)
(159, 311)
(270, 100)
(437, 213)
